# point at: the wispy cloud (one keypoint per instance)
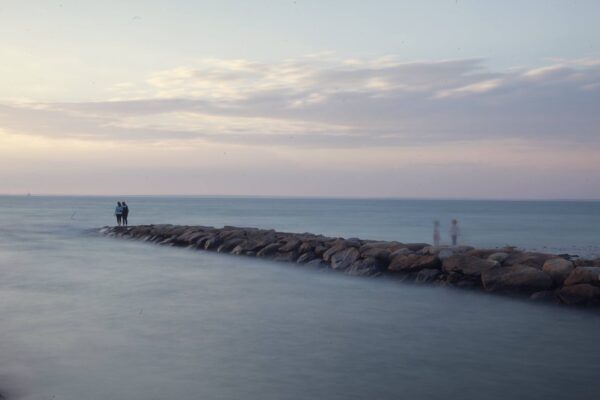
(320, 101)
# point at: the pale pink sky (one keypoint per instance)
(119, 111)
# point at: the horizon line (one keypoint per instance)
(307, 197)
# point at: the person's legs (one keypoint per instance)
(119, 220)
(124, 220)
(453, 240)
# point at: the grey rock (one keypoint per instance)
(403, 251)
(370, 266)
(535, 260)
(558, 269)
(332, 250)
(516, 279)
(343, 259)
(268, 250)
(499, 257)
(305, 247)
(212, 243)
(306, 257)
(579, 275)
(430, 250)
(413, 263)
(415, 246)
(320, 249)
(291, 245)
(468, 265)
(581, 294)
(376, 252)
(354, 242)
(229, 245)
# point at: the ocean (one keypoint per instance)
(89, 317)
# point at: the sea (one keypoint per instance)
(88, 317)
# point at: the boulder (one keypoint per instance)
(376, 252)
(232, 234)
(335, 248)
(535, 260)
(581, 294)
(247, 246)
(468, 265)
(212, 243)
(499, 257)
(430, 250)
(413, 263)
(415, 246)
(305, 247)
(306, 257)
(268, 250)
(354, 242)
(238, 251)
(400, 252)
(290, 245)
(558, 269)
(201, 241)
(190, 236)
(589, 275)
(515, 279)
(369, 266)
(342, 260)
(390, 246)
(229, 245)
(320, 249)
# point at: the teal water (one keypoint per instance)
(552, 226)
(86, 317)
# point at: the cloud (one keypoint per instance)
(326, 102)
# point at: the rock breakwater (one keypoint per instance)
(538, 276)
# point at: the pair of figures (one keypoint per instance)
(454, 232)
(122, 212)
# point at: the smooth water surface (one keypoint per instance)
(86, 317)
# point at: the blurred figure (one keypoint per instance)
(436, 233)
(125, 213)
(119, 212)
(454, 232)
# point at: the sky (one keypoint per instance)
(428, 99)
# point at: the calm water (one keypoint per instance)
(84, 317)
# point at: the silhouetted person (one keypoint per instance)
(119, 213)
(125, 213)
(454, 232)
(436, 233)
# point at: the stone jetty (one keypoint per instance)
(538, 276)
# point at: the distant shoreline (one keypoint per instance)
(537, 276)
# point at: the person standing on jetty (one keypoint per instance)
(436, 233)
(125, 213)
(119, 212)
(454, 232)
